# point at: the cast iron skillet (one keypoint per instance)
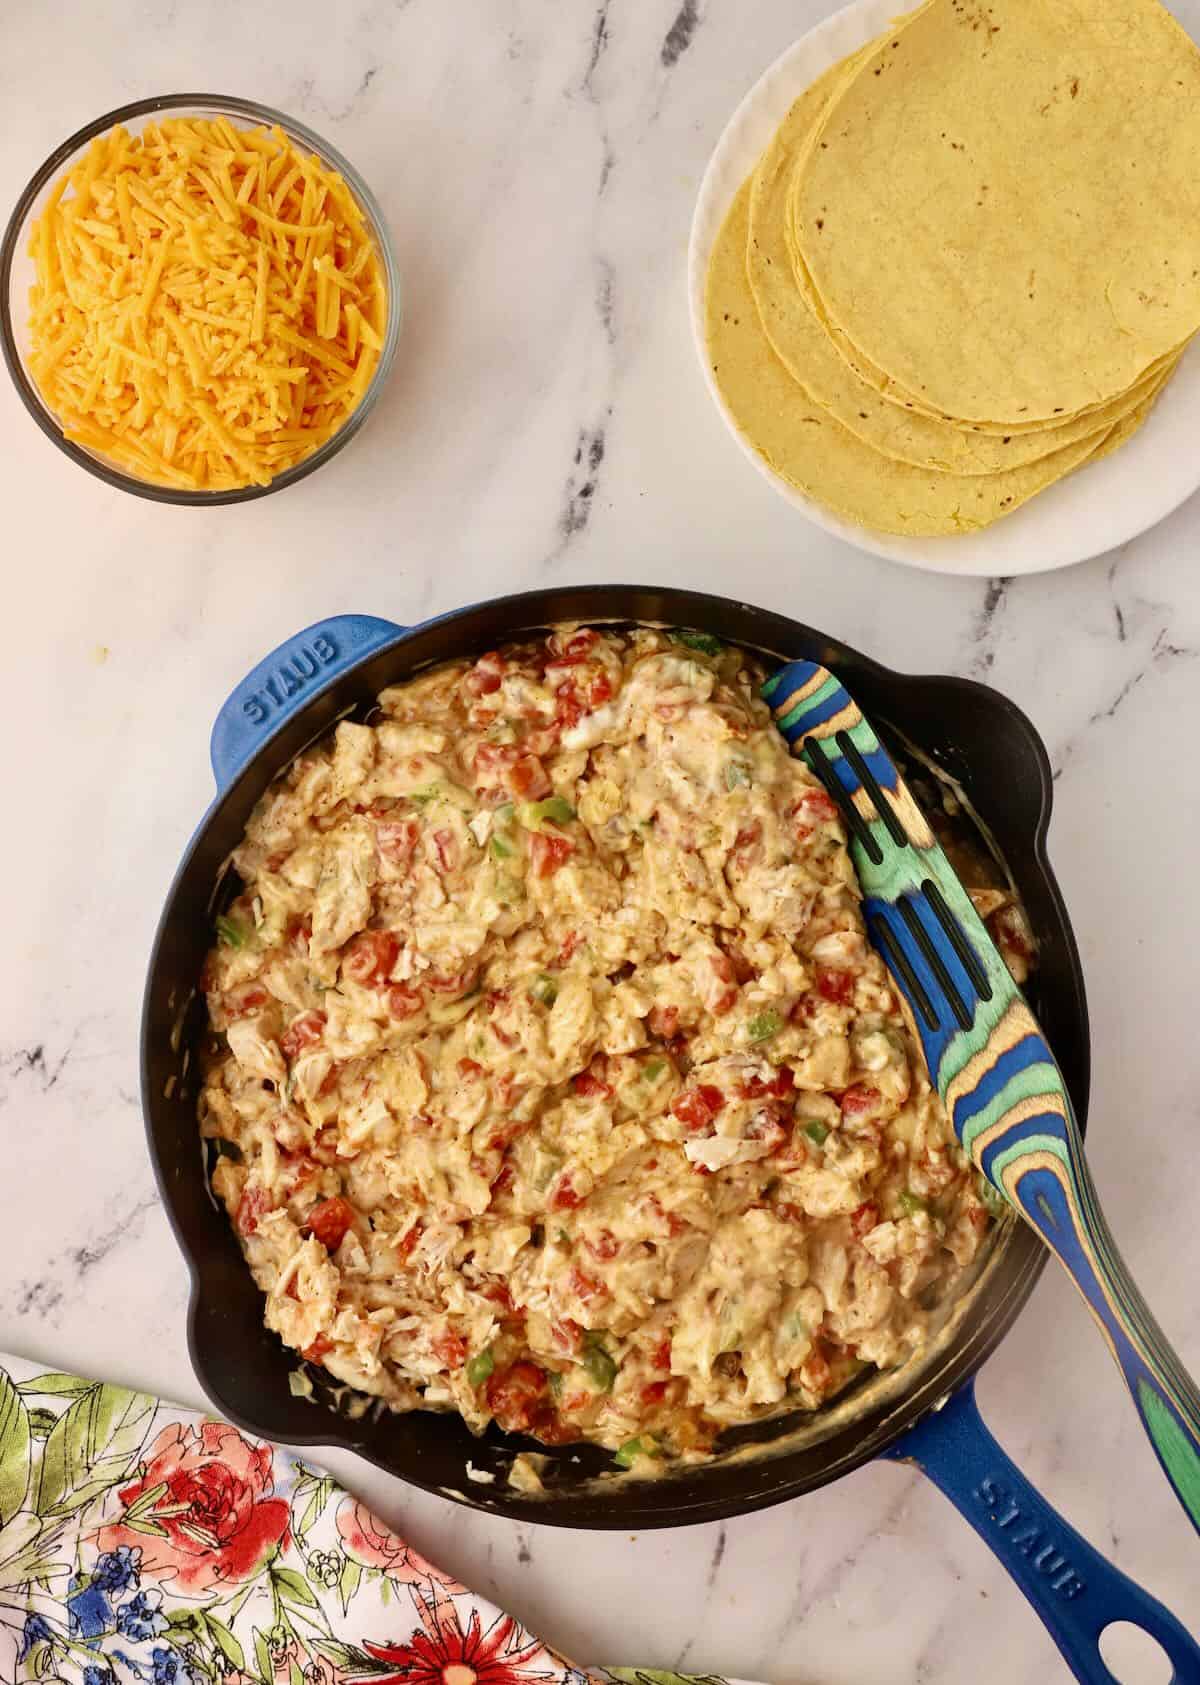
(974, 734)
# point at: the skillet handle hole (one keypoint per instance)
(1132, 1657)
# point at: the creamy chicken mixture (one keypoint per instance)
(552, 1076)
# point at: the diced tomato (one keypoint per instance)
(403, 1002)
(299, 934)
(566, 1334)
(513, 1394)
(662, 1354)
(254, 1203)
(859, 1098)
(745, 845)
(370, 957)
(1010, 931)
(604, 1245)
(551, 1429)
(583, 1287)
(504, 1180)
(567, 947)
(397, 839)
(815, 1371)
(245, 1001)
(449, 1348)
(765, 1128)
(569, 650)
(324, 1148)
(697, 1107)
(528, 779)
(446, 845)
(453, 982)
(568, 709)
(329, 1222)
(835, 985)
(864, 1219)
(743, 971)
(496, 1293)
(487, 675)
(655, 1392)
(565, 1197)
(664, 1021)
(589, 1086)
(779, 1087)
(318, 1349)
(469, 1068)
(548, 850)
(330, 1081)
(304, 1031)
(301, 1168)
(813, 808)
(408, 1242)
(600, 690)
(725, 998)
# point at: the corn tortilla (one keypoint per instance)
(804, 445)
(810, 355)
(1001, 209)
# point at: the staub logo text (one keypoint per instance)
(290, 675)
(1026, 1537)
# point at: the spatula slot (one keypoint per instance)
(935, 962)
(870, 784)
(968, 958)
(898, 965)
(818, 760)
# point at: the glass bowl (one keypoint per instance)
(17, 274)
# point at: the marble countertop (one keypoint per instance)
(546, 421)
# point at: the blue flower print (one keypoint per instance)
(118, 1570)
(141, 1617)
(170, 1668)
(37, 1631)
(99, 1676)
(89, 1612)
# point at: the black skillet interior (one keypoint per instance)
(974, 734)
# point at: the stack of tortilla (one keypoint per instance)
(968, 261)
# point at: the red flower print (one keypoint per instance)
(372, 1543)
(211, 1495)
(446, 1655)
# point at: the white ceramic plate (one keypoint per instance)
(1092, 510)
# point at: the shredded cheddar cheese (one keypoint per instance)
(208, 305)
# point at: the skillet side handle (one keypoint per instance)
(287, 680)
(1072, 1587)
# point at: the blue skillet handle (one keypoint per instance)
(287, 680)
(1074, 1590)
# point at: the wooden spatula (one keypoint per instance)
(986, 1053)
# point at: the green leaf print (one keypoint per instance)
(92, 1447)
(54, 1385)
(348, 1583)
(663, 1676)
(262, 1656)
(225, 1642)
(15, 1442)
(293, 1587)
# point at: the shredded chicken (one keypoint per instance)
(554, 1079)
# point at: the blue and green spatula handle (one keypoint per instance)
(986, 1054)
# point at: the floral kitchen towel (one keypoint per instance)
(144, 1543)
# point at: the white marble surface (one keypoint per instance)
(538, 165)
